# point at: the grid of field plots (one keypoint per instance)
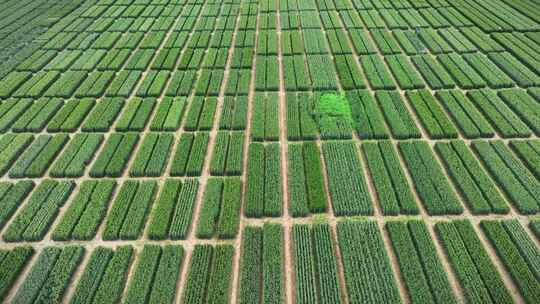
(166, 151)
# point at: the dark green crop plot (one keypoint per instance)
(50, 276)
(152, 155)
(475, 271)
(129, 211)
(261, 273)
(367, 270)
(209, 275)
(228, 154)
(512, 176)
(115, 155)
(77, 155)
(429, 180)
(264, 186)
(307, 191)
(220, 210)
(86, 211)
(346, 182)
(38, 157)
(172, 215)
(190, 154)
(33, 221)
(388, 177)
(420, 266)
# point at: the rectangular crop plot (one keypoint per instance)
(366, 264)
(172, 215)
(220, 210)
(33, 221)
(86, 211)
(429, 180)
(346, 182)
(263, 196)
(115, 155)
(307, 193)
(129, 211)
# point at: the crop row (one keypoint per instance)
(429, 180)
(238, 82)
(50, 276)
(33, 221)
(265, 117)
(86, 211)
(420, 267)
(263, 196)
(322, 72)
(295, 73)
(346, 182)
(376, 73)
(153, 84)
(234, 113)
(261, 270)
(406, 76)
(524, 106)
(366, 265)
(385, 42)
(432, 115)
(519, 184)
(398, 118)
(104, 276)
(209, 82)
(114, 156)
(152, 155)
(216, 58)
(434, 74)
(291, 41)
(267, 43)
(348, 72)
(35, 117)
(315, 264)
(220, 210)
(190, 153)
(181, 83)
(12, 263)
(393, 192)
(210, 275)
(467, 117)
(477, 189)
(227, 158)
(168, 114)
(171, 217)
(529, 153)
(77, 155)
(522, 47)
(129, 211)
(300, 123)
(306, 187)
(498, 113)
(12, 145)
(472, 265)
(136, 115)
(465, 76)
(200, 115)
(267, 73)
(518, 253)
(368, 119)
(11, 197)
(154, 277)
